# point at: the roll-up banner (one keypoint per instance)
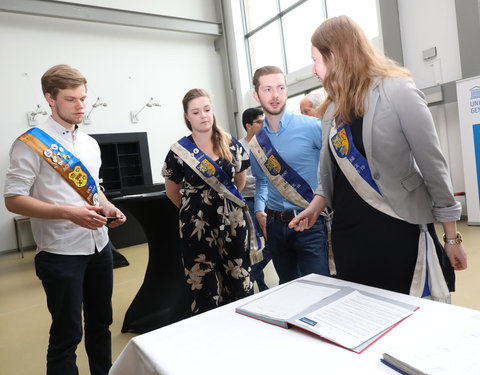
(468, 95)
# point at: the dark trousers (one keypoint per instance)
(297, 254)
(70, 283)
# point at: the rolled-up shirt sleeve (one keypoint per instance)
(447, 214)
(22, 170)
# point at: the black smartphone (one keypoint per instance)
(110, 219)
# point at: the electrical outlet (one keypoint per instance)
(32, 121)
(134, 117)
(429, 53)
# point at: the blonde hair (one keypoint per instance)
(61, 77)
(220, 139)
(352, 62)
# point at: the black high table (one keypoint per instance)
(162, 298)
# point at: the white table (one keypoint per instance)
(224, 342)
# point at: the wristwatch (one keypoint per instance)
(453, 241)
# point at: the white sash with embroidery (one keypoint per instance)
(256, 254)
(430, 271)
(287, 181)
(273, 170)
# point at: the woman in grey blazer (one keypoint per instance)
(381, 167)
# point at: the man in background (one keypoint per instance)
(53, 178)
(287, 145)
(310, 103)
(252, 120)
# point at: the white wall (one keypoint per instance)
(125, 66)
(433, 23)
(425, 24)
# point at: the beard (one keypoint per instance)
(70, 119)
(273, 112)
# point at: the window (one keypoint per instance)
(298, 27)
(266, 46)
(277, 32)
(362, 12)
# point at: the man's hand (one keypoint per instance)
(109, 210)
(86, 216)
(113, 211)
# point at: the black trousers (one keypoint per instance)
(70, 283)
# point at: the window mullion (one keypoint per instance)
(282, 37)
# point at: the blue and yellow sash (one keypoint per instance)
(64, 162)
(217, 179)
(288, 182)
(428, 280)
(356, 169)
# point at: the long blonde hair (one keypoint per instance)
(220, 139)
(352, 62)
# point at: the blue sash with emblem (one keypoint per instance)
(344, 147)
(216, 178)
(64, 162)
(356, 169)
(286, 180)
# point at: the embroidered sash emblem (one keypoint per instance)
(340, 143)
(207, 168)
(78, 176)
(273, 165)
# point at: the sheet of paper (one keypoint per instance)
(286, 302)
(433, 355)
(353, 319)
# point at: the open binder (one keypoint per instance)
(345, 316)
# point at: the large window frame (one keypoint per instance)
(279, 16)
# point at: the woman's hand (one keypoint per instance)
(457, 255)
(308, 217)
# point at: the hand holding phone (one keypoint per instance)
(110, 219)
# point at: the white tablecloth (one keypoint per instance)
(224, 342)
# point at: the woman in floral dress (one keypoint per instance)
(213, 229)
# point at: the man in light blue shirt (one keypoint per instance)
(298, 140)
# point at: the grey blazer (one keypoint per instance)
(403, 152)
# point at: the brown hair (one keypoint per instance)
(220, 139)
(352, 62)
(60, 77)
(264, 71)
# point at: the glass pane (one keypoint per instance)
(293, 103)
(297, 39)
(258, 12)
(362, 12)
(265, 47)
(284, 4)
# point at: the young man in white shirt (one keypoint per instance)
(74, 258)
(252, 120)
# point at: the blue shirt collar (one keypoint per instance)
(284, 121)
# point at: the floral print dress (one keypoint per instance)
(213, 233)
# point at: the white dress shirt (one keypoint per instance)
(28, 174)
(249, 189)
